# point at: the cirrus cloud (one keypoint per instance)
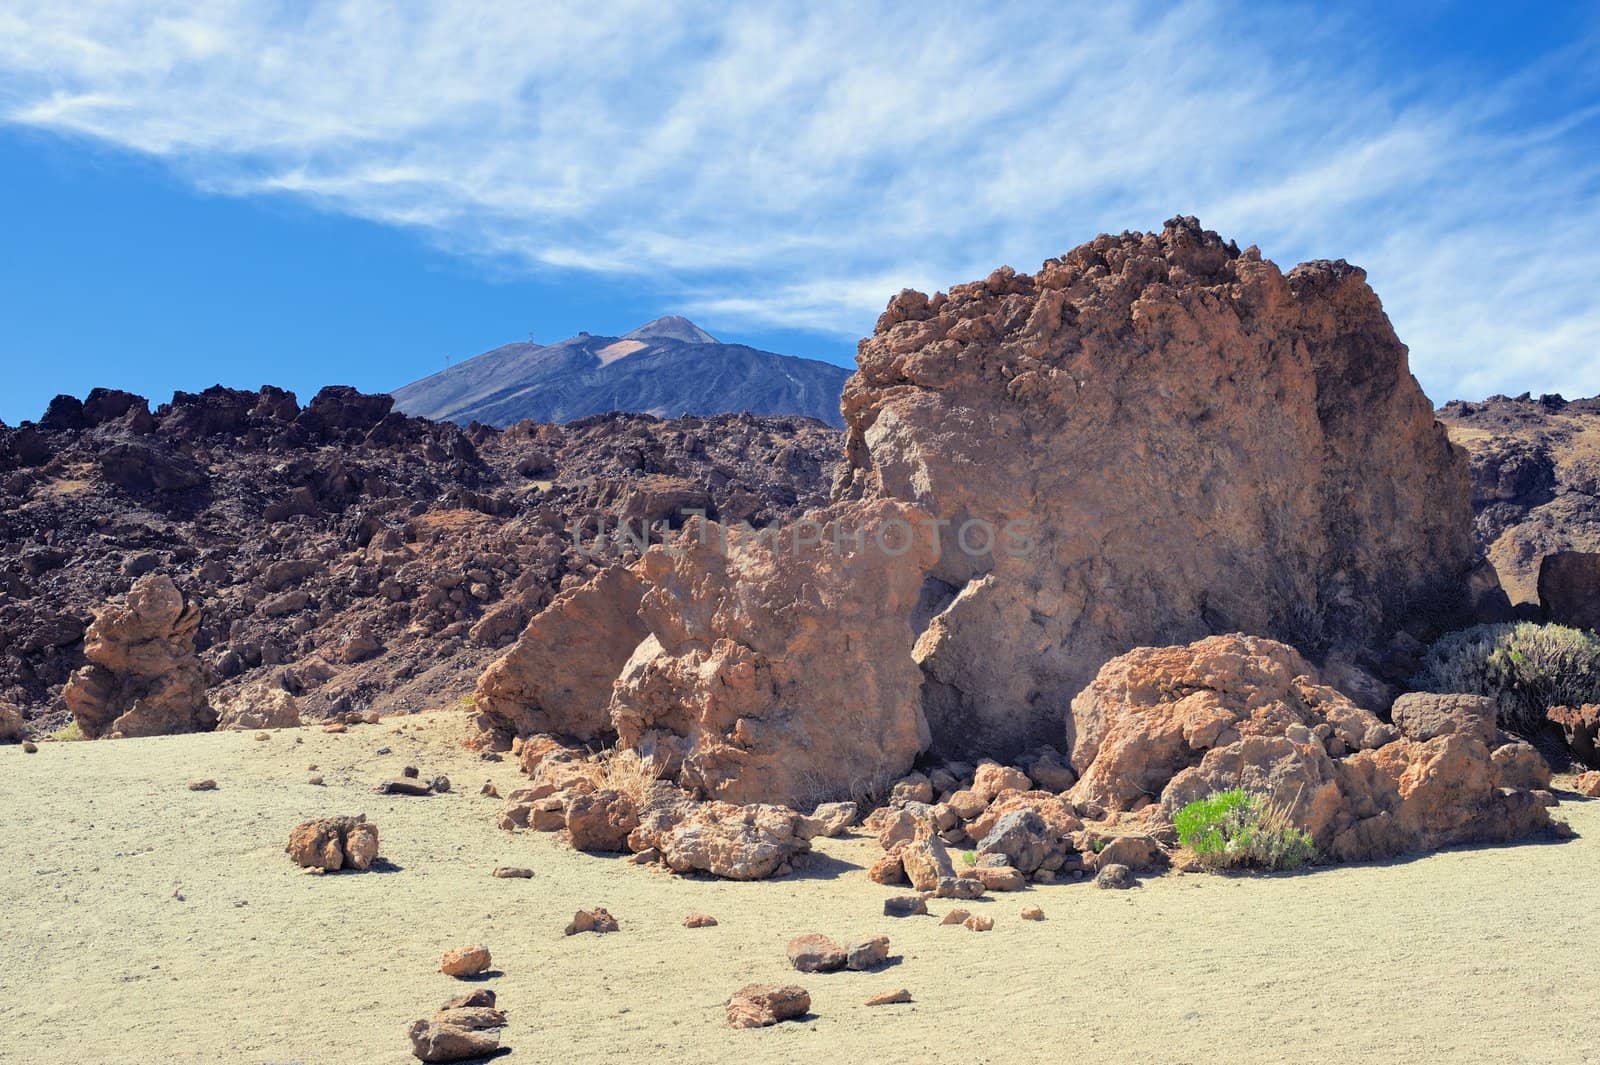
(792, 165)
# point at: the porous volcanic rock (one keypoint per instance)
(143, 676)
(334, 843)
(778, 667)
(1535, 469)
(1569, 588)
(1162, 437)
(557, 677)
(762, 1005)
(259, 705)
(1581, 726)
(1162, 727)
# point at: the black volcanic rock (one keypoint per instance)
(359, 558)
(668, 367)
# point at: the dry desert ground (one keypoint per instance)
(146, 923)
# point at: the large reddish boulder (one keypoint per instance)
(1157, 437)
(143, 677)
(1163, 727)
(779, 663)
(557, 676)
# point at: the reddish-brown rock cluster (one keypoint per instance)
(1189, 440)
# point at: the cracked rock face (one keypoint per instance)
(1182, 439)
(143, 677)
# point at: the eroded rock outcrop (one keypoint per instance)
(144, 677)
(557, 677)
(1162, 727)
(778, 666)
(1161, 437)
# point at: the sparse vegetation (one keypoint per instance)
(1526, 667)
(1237, 830)
(70, 733)
(969, 857)
(625, 772)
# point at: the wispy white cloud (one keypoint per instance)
(792, 165)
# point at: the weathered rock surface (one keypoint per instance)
(598, 920)
(1569, 588)
(779, 669)
(13, 729)
(143, 677)
(440, 1041)
(816, 953)
(557, 677)
(762, 1005)
(1166, 437)
(1581, 725)
(334, 843)
(1162, 727)
(1535, 468)
(465, 961)
(257, 706)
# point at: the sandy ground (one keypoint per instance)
(1484, 955)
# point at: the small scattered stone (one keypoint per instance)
(403, 787)
(648, 856)
(598, 919)
(315, 778)
(1114, 876)
(410, 772)
(203, 785)
(335, 727)
(440, 784)
(465, 961)
(905, 906)
(888, 871)
(699, 920)
(958, 887)
(1032, 913)
(865, 954)
(333, 843)
(481, 997)
(263, 735)
(1000, 878)
(956, 916)
(979, 923)
(513, 872)
(29, 747)
(434, 1042)
(890, 998)
(816, 953)
(489, 789)
(762, 1005)
(1586, 784)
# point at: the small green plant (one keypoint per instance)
(1237, 830)
(1099, 845)
(969, 857)
(69, 734)
(1526, 667)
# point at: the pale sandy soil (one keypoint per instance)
(1484, 955)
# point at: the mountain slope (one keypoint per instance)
(667, 367)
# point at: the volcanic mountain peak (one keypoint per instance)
(671, 327)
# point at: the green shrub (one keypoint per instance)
(70, 733)
(1526, 667)
(1236, 830)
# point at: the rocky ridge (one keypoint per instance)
(355, 558)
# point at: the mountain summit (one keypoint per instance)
(666, 367)
(671, 327)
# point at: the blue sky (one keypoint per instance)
(307, 194)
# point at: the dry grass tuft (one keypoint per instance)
(625, 772)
